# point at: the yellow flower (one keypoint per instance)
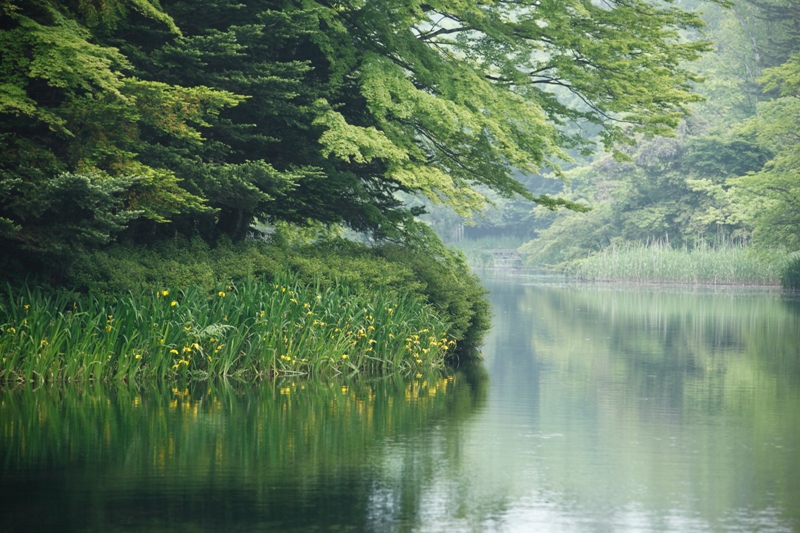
(174, 352)
(221, 294)
(173, 303)
(27, 306)
(344, 356)
(138, 356)
(108, 328)
(164, 293)
(43, 342)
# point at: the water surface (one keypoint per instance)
(597, 408)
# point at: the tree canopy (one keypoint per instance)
(133, 121)
(732, 168)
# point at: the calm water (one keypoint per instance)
(597, 409)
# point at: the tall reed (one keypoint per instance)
(726, 263)
(257, 328)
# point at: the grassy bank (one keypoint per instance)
(725, 264)
(257, 328)
(247, 310)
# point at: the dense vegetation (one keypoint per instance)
(729, 172)
(129, 128)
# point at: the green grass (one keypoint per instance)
(256, 328)
(790, 276)
(724, 264)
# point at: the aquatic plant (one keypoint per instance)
(256, 328)
(728, 263)
(790, 274)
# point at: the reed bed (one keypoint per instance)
(254, 329)
(728, 263)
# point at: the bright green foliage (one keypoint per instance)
(428, 271)
(257, 328)
(349, 104)
(122, 121)
(209, 115)
(772, 196)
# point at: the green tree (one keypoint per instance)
(771, 196)
(70, 129)
(119, 119)
(350, 103)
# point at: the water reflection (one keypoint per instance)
(605, 409)
(296, 455)
(643, 409)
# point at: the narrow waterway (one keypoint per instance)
(597, 408)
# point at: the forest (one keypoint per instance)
(720, 192)
(195, 146)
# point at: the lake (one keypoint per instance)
(596, 408)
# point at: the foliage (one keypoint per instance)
(208, 116)
(729, 171)
(771, 197)
(435, 274)
(256, 328)
(790, 277)
(127, 124)
(71, 125)
(727, 263)
(450, 286)
(672, 189)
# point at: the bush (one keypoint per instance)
(439, 275)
